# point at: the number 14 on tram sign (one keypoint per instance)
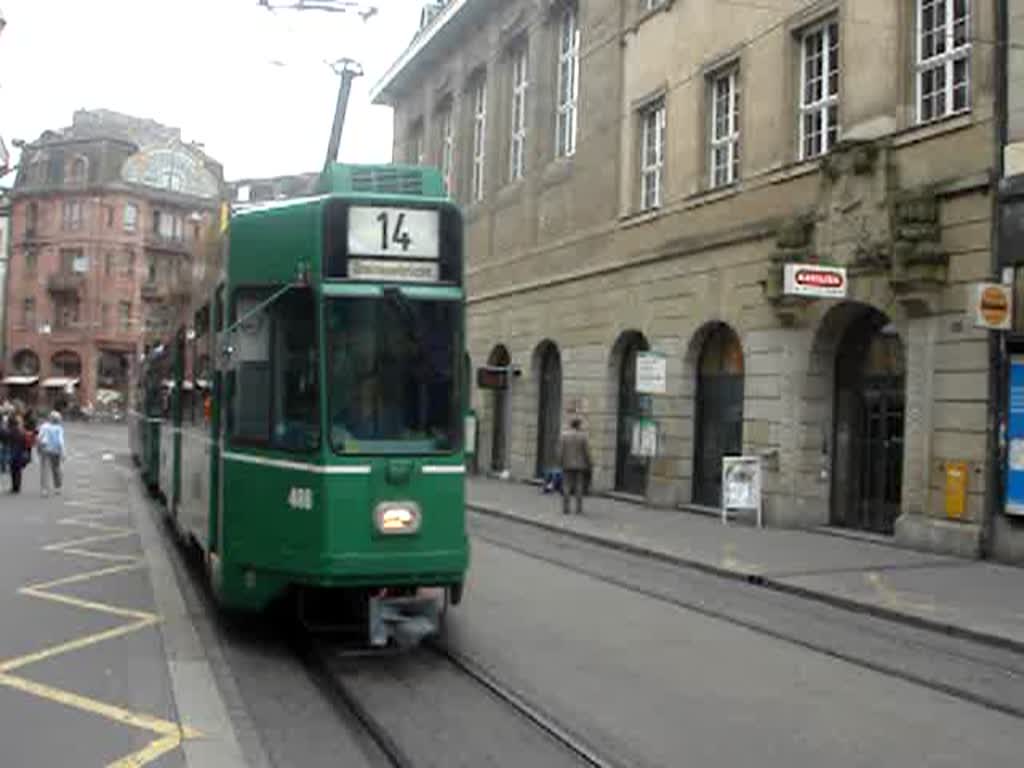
(410, 233)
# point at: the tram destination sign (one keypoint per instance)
(393, 233)
(815, 281)
(394, 270)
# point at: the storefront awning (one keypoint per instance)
(20, 381)
(58, 382)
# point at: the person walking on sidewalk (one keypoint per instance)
(574, 452)
(51, 452)
(6, 423)
(20, 452)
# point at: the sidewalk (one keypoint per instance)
(99, 664)
(975, 599)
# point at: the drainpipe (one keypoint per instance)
(997, 385)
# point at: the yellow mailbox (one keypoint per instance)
(956, 489)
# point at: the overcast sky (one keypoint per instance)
(249, 84)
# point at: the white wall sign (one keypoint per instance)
(644, 443)
(651, 374)
(815, 281)
(741, 485)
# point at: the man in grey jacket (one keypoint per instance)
(575, 458)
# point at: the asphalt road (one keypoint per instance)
(671, 667)
(650, 665)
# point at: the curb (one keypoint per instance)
(197, 696)
(760, 580)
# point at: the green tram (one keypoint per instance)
(306, 430)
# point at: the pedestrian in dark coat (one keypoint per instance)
(575, 455)
(6, 421)
(19, 453)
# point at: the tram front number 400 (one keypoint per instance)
(300, 498)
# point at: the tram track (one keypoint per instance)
(492, 724)
(368, 692)
(985, 676)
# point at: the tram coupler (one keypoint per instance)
(406, 620)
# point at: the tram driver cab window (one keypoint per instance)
(273, 388)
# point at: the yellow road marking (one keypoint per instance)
(74, 645)
(895, 599)
(732, 563)
(170, 734)
(149, 753)
(96, 707)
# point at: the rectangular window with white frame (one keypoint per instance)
(567, 120)
(479, 136)
(819, 89)
(943, 58)
(446, 122)
(517, 142)
(725, 127)
(652, 154)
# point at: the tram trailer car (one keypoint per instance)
(306, 431)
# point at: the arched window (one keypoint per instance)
(500, 358)
(549, 405)
(867, 479)
(26, 362)
(630, 470)
(66, 363)
(719, 412)
(79, 171)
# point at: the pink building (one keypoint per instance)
(107, 219)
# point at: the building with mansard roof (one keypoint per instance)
(109, 221)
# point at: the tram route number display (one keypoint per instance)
(396, 233)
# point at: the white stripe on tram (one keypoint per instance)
(299, 466)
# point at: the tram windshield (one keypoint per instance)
(392, 374)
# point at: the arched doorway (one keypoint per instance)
(500, 358)
(630, 470)
(718, 413)
(549, 406)
(870, 394)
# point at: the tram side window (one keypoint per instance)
(274, 391)
(296, 394)
(250, 390)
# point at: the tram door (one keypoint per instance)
(870, 410)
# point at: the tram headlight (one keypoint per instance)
(397, 518)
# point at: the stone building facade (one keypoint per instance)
(637, 175)
(109, 221)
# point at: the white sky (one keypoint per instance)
(207, 67)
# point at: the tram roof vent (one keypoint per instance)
(382, 180)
